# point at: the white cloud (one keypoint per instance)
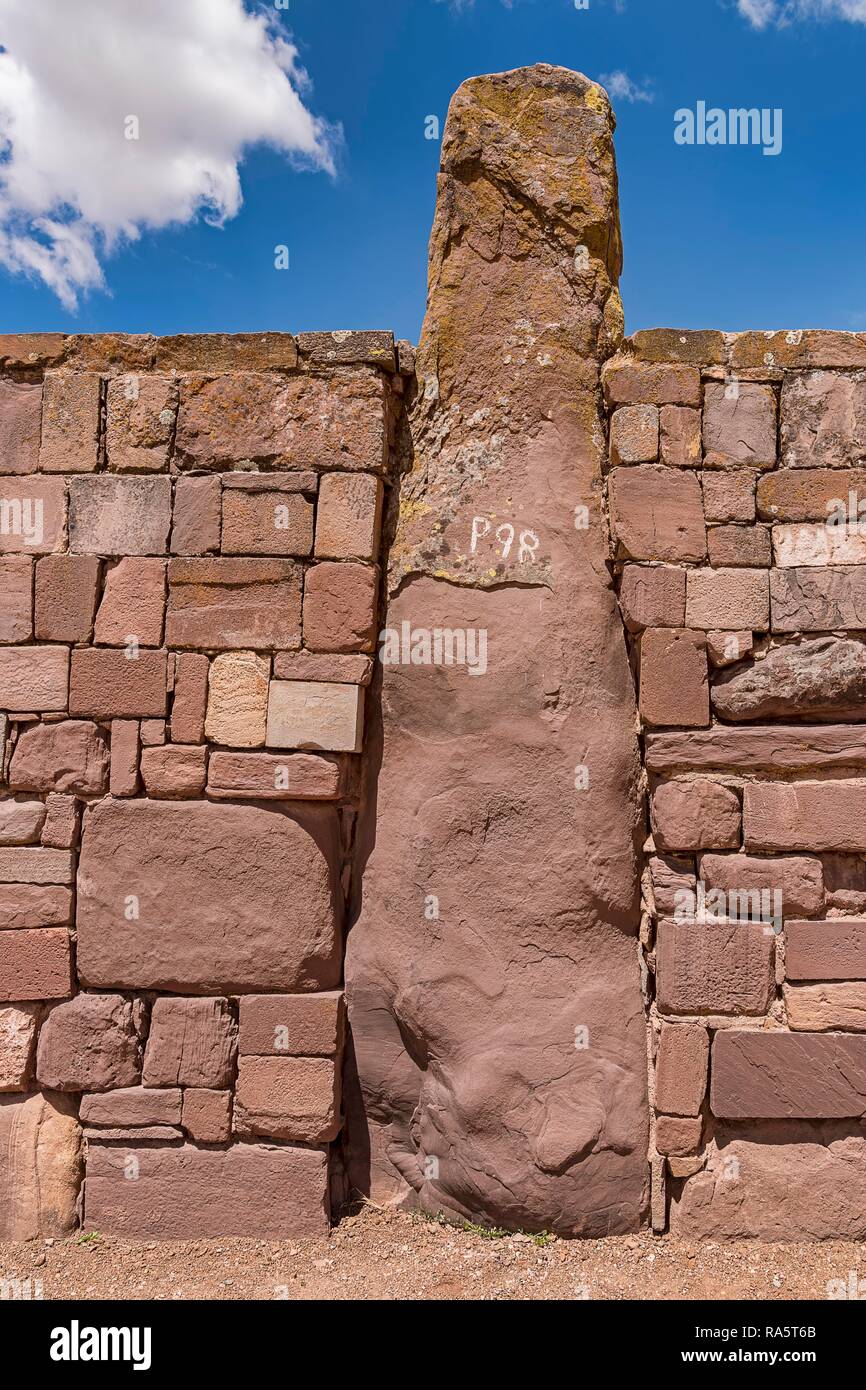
(206, 79)
(621, 87)
(762, 13)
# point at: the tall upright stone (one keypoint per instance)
(492, 970)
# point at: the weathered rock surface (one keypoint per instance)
(823, 679)
(18, 1023)
(229, 898)
(89, 1044)
(500, 902)
(191, 1043)
(71, 756)
(40, 1166)
(778, 1075)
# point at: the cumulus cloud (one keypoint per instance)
(197, 81)
(621, 87)
(762, 13)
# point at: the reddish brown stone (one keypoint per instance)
(376, 347)
(26, 865)
(831, 950)
(273, 777)
(340, 607)
(32, 515)
(174, 771)
(124, 757)
(70, 423)
(697, 346)
(133, 604)
(140, 416)
(66, 590)
(349, 516)
(695, 814)
(821, 679)
(805, 816)
(824, 1008)
(40, 1166)
(726, 648)
(676, 1134)
(730, 598)
(652, 596)
(634, 434)
(352, 668)
(629, 382)
(266, 523)
(823, 419)
(657, 514)
(739, 545)
(152, 733)
(119, 515)
(21, 822)
(227, 604)
(191, 1043)
(287, 1098)
(298, 1025)
(237, 705)
(35, 964)
(256, 868)
(819, 599)
(775, 1075)
(184, 1193)
(739, 426)
(798, 878)
(34, 678)
(225, 352)
(714, 968)
(680, 437)
(295, 481)
(190, 697)
(811, 494)
(131, 1106)
(20, 423)
(782, 746)
(207, 1115)
(24, 905)
(674, 685)
(62, 820)
(70, 757)
(18, 1025)
(197, 516)
(681, 1068)
(16, 598)
(302, 421)
(113, 685)
(89, 1044)
(729, 496)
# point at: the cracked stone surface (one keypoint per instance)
(820, 679)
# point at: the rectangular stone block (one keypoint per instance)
(818, 599)
(70, 422)
(297, 1025)
(266, 523)
(262, 1191)
(729, 495)
(811, 494)
(776, 1075)
(237, 705)
(27, 905)
(18, 1025)
(131, 1106)
(681, 1068)
(62, 819)
(174, 771)
(805, 815)
(823, 419)
(124, 757)
(728, 598)
(714, 968)
(739, 545)
(814, 543)
(830, 950)
(189, 703)
(680, 436)
(191, 1042)
(374, 346)
(634, 434)
(108, 684)
(32, 515)
(133, 604)
(779, 746)
(66, 592)
(674, 687)
(825, 1008)
(197, 524)
(122, 515)
(34, 679)
(296, 481)
(745, 878)
(652, 596)
(207, 1114)
(20, 424)
(16, 599)
(315, 714)
(627, 382)
(140, 413)
(35, 964)
(739, 426)
(287, 1098)
(229, 604)
(657, 514)
(340, 601)
(21, 822)
(25, 865)
(348, 517)
(273, 777)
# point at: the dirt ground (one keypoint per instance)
(378, 1254)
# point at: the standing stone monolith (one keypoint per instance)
(492, 970)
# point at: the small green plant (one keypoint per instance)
(88, 1238)
(485, 1232)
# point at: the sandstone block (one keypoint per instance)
(339, 347)
(66, 592)
(657, 514)
(818, 599)
(32, 515)
(34, 905)
(133, 604)
(192, 1042)
(670, 879)
(287, 1098)
(776, 1075)
(787, 746)
(830, 950)
(237, 706)
(26, 865)
(315, 714)
(227, 604)
(340, 607)
(739, 426)
(140, 416)
(348, 668)
(729, 495)
(726, 648)
(349, 516)
(119, 515)
(673, 677)
(680, 437)
(739, 545)
(729, 598)
(18, 1024)
(20, 424)
(676, 1134)
(823, 420)
(822, 1008)
(113, 685)
(805, 816)
(652, 596)
(197, 523)
(16, 598)
(811, 494)
(629, 382)
(62, 821)
(713, 968)
(681, 1068)
(273, 777)
(189, 704)
(152, 733)
(21, 822)
(822, 679)
(744, 877)
(259, 869)
(130, 1107)
(35, 964)
(185, 1193)
(634, 434)
(298, 1025)
(266, 523)
(34, 678)
(69, 757)
(295, 481)
(89, 1044)
(695, 814)
(124, 757)
(174, 771)
(70, 422)
(40, 1166)
(221, 352)
(207, 1115)
(815, 543)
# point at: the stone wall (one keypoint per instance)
(189, 590)
(735, 489)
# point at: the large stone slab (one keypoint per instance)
(822, 679)
(40, 1166)
(183, 1193)
(500, 902)
(228, 898)
(222, 605)
(823, 419)
(778, 746)
(818, 599)
(764, 1075)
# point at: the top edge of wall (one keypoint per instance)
(114, 352)
(810, 347)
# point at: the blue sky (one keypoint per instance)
(713, 236)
